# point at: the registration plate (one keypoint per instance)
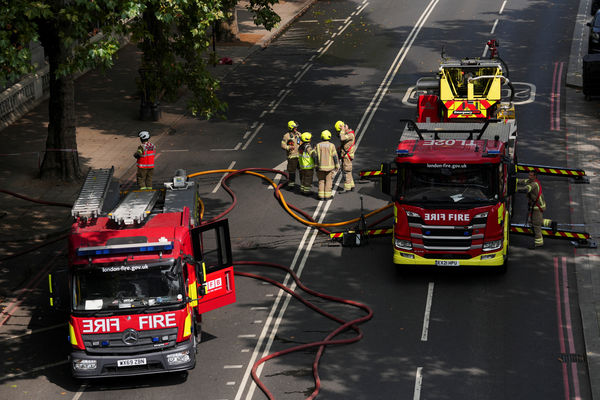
(130, 362)
(447, 263)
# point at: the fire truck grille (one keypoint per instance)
(130, 341)
(447, 242)
(447, 256)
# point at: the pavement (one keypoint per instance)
(107, 126)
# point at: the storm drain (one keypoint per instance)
(571, 358)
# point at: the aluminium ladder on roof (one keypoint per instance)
(135, 207)
(93, 193)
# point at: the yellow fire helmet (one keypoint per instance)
(326, 135)
(339, 125)
(306, 136)
(292, 125)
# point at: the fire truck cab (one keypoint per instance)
(453, 193)
(142, 271)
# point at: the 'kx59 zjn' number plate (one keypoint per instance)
(131, 362)
(449, 263)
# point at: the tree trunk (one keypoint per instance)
(61, 160)
(228, 30)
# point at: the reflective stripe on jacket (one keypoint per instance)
(533, 188)
(306, 159)
(148, 151)
(347, 143)
(327, 156)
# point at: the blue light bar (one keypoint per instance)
(124, 248)
(402, 151)
(493, 151)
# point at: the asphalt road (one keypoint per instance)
(434, 335)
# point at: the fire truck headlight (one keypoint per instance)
(84, 365)
(412, 214)
(493, 245)
(180, 357)
(403, 244)
(481, 215)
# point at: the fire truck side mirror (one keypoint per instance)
(386, 179)
(58, 287)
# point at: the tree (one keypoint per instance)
(263, 12)
(65, 28)
(174, 37)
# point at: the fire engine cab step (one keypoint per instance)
(90, 201)
(135, 207)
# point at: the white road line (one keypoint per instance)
(276, 180)
(237, 147)
(233, 366)
(80, 391)
(224, 175)
(254, 125)
(246, 134)
(33, 332)
(262, 114)
(418, 383)
(425, 331)
(248, 336)
(303, 72)
(272, 110)
(280, 92)
(392, 71)
(258, 308)
(320, 49)
(494, 27)
(326, 48)
(253, 135)
(362, 8)
(36, 369)
(345, 26)
(502, 7)
(366, 118)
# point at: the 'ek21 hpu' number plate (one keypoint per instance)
(447, 263)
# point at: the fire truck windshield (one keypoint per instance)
(447, 183)
(113, 287)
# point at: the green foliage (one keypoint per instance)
(263, 13)
(75, 23)
(174, 36)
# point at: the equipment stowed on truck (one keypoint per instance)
(142, 271)
(465, 90)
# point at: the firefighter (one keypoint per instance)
(327, 165)
(537, 206)
(346, 152)
(145, 154)
(290, 143)
(306, 161)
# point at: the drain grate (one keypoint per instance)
(571, 358)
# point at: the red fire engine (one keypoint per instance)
(140, 277)
(454, 190)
